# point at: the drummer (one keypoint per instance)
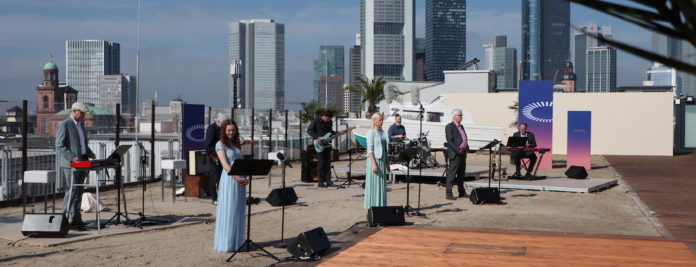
(397, 132)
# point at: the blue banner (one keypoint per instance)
(579, 139)
(535, 108)
(193, 128)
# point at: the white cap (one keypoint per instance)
(79, 106)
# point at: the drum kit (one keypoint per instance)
(420, 160)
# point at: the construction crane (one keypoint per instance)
(468, 64)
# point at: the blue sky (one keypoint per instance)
(184, 43)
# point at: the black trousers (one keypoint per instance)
(455, 174)
(324, 165)
(214, 178)
(518, 155)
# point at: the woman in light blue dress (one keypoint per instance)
(376, 169)
(229, 222)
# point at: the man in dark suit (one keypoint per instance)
(71, 145)
(212, 136)
(319, 127)
(457, 147)
(518, 154)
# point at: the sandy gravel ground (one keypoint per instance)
(611, 212)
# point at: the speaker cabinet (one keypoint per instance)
(485, 195)
(309, 244)
(198, 162)
(309, 165)
(385, 216)
(577, 172)
(45, 225)
(282, 197)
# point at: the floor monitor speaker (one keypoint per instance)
(309, 244)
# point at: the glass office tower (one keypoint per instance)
(86, 61)
(545, 39)
(445, 37)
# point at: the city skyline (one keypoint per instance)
(184, 45)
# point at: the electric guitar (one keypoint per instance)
(214, 158)
(327, 138)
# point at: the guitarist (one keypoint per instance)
(319, 127)
(212, 136)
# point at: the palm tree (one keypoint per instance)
(310, 110)
(514, 107)
(674, 18)
(371, 91)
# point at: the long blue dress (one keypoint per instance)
(229, 222)
(376, 183)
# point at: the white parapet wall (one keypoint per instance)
(622, 123)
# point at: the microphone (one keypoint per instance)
(281, 157)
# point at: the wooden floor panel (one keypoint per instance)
(406, 246)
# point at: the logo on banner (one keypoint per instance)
(539, 111)
(193, 128)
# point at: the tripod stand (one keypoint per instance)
(420, 166)
(250, 167)
(282, 243)
(119, 194)
(349, 180)
(406, 156)
(143, 220)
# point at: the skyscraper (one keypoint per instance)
(681, 50)
(330, 63)
(582, 43)
(86, 61)
(503, 60)
(445, 37)
(420, 59)
(260, 45)
(601, 69)
(545, 39)
(354, 74)
(387, 34)
(117, 89)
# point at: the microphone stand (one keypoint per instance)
(420, 159)
(282, 243)
(143, 220)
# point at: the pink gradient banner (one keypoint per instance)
(579, 139)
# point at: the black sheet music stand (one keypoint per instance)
(406, 156)
(250, 167)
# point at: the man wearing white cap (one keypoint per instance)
(212, 136)
(71, 145)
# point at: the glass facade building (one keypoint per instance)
(582, 43)
(601, 69)
(387, 39)
(545, 39)
(503, 60)
(86, 61)
(260, 45)
(353, 77)
(331, 63)
(445, 37)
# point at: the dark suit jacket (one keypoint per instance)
(212, 136)
(530, 138)
(454, 139)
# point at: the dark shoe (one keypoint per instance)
(516, 175)
(78, 227)
(330, 184)
(463, 195)
(78, 224)
(321, 185)
(528, 176)
(450, 197)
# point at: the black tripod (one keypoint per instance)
(349, 180)
(250, 167)
(420, 161)
(119, 192)
(282, 243)
(406, 156)
(143, 220)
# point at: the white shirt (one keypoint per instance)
(81, 135)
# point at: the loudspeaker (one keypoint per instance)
(45, 225)
(198, 162)
(309, 243)
(485, 195)
(577, 172)
(309, 165)
(282, 196)
(389, 215)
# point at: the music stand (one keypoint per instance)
(406, 156)
(116, 158)
(517, 141)
(491, 169)
(349, 180)
(250, 167)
